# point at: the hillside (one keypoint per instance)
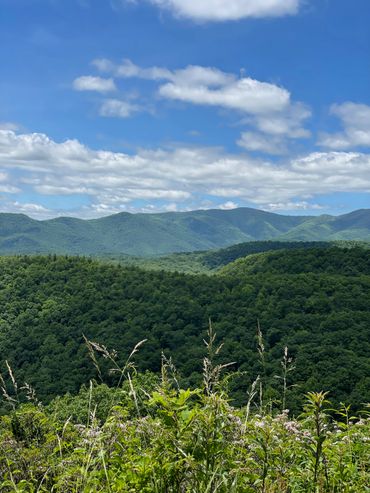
(152, 234)
(210, 261)
(315, 301)
(330, 260)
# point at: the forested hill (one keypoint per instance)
(330, 260)
(149, 234)
(48, 303)
(210, 261)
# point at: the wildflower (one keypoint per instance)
(292, 427)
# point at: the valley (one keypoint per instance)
(314, 300)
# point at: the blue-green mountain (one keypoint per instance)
(153, 234)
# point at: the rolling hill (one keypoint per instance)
(210, 261)
(162, 233)
(315, 301)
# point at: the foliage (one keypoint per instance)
(48, 303)
(210, 261)
(187, 441)
(329, 260)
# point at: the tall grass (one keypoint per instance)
(161, 438)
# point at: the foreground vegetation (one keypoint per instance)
(150, 435)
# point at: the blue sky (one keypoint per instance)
(165, 105)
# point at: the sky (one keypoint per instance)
(111, 106)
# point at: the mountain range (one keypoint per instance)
(161, 233)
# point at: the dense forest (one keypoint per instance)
(314, 301)
(210, 261)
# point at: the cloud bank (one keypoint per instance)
(112, 181)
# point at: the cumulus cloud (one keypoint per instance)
(230, 10)
(207, 86)
(355, 119)
(265, 106)
(92, 83)
(113, 180)
(244, 95)
(229, 205)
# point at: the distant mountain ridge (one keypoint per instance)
(161, 233)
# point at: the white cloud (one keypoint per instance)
(292, 206)
(174, 175)
(244, 95)
(265, 106)
(9, 126)
(192, 74)
(30, 209)
(228, 10)
(128, 69)
(274, 130)
(288, 123)
(355, 119)
(9, 189)
(91, 83)
(5, 185)
(198, 75)
(172, 207)
(118, 108)
(253, 141)
(227, 206)
(207, 86)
